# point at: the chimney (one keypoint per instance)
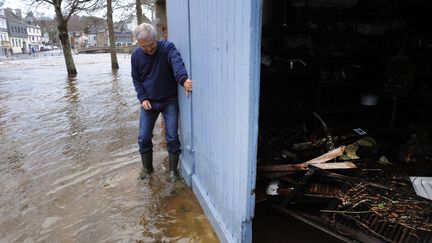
(18, 13)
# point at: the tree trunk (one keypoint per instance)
(161, 25)
(64, 39)
(114, 62)
(138, 11)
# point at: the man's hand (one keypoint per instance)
(146, 105)
(188, 87)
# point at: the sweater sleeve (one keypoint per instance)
(136, 79)
(176, 62)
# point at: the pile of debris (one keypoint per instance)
(365, 198)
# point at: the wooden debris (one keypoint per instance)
(304, 166)
(334, 166)
(410, 211)
(327, 156)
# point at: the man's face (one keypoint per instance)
(148, 45)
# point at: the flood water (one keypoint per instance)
(69, 160)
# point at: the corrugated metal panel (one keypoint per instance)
(224, 38)
(178, 33)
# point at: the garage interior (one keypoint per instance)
(350, 80)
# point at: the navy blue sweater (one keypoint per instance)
(156, 76)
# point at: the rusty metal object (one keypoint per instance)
(323, 189)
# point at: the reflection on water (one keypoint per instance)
(69, 161)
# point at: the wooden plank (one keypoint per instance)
(327, 156)
(334, 166)
(290, 167)
(304, 166)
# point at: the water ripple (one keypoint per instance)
(69, 161)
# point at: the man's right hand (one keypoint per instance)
(146, 105)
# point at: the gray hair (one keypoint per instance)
(144, 31)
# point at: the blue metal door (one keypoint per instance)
(224, 39)
(178, 33)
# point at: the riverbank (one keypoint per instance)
(19, 56)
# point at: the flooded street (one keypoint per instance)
(69, 160)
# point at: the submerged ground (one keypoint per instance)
(69, 161)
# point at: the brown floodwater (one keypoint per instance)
(69, 161)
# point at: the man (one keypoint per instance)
(157, 69)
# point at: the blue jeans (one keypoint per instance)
(170, 110)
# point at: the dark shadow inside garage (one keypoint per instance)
(354, 74)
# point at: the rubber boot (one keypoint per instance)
(173, 160)
(147, 162)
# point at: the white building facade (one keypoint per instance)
(4, 36)
(45, 39)
(17, 31)
(92, 39)
(34, 38)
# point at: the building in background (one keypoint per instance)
(102, 38)
(92, 39)
(123, 38)
(78, 39)
(92, 36)
(45, 38)
(82, 40)
(17, 31)
(122, 34)
(34, 38)
(4, 36)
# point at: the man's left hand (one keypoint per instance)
(188, 87)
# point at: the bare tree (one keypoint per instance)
(63, 11)
(114, 62)
(138, 11)
(128, 8)
(110, 22)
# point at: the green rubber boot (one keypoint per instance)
(147, 162)
(173, 160)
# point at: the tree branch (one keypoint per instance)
(42, 1)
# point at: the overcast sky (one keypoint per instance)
(25, 7)
(48, 11)
(15, 4)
